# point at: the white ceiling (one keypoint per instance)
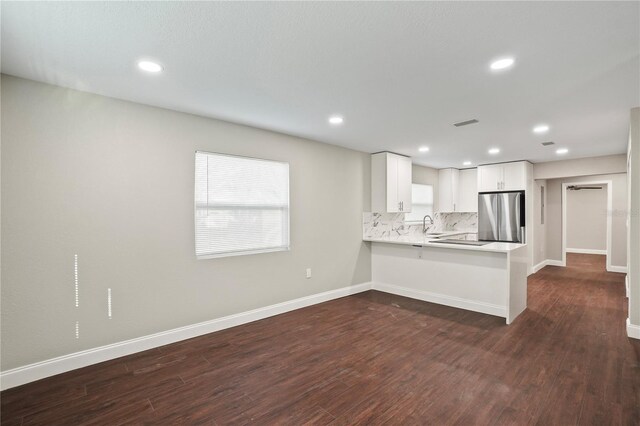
(400, 73)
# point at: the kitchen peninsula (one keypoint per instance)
(430, 254)
(490, 278)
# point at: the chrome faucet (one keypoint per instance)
(424, 223)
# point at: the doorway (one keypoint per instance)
(586, 219)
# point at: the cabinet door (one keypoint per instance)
(514, 176)
(404, 183)
(468, 191)
(455, 195)
(490, 178)
(448, 190)
(393, 202)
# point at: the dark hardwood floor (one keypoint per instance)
(375, 358)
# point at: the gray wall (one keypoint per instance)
(587, 219)
(634, 217)
(609, 164)
(113, 182)
(554, 216)
(427, 176)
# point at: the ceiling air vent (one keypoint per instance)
(465, 123)
(548, 143)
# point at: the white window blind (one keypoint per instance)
(241, 205)
(421, 202)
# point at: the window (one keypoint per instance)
(421, 202)
(241, 205)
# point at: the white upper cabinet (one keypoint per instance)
(468, 191)
(390, 183)
(503, 177)
(457, 190)
(514, 176)
(490, 178)
(404, 183)
(448, 189)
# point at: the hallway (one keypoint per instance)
(584, 310)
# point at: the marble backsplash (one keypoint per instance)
(376, 225)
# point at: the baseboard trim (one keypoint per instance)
(539, 266)
(40, 370)
(633, 331)
(586, 251)
(551, 262)
(614, 268)
(626, 286)
(455, 302)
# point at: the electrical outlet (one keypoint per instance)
(308, 272)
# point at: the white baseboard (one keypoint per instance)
(621, 269)
(551, 262)
(586, 251)
(626, 286)
(40, 370)
(456, 302)
(633, 331)
(540, 265)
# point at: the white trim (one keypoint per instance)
(539, 266)
(633, 331)
(614, 268)
(39, 370)
(552, 262)
(626, 286)
(609, 184)
(441, 299)
(585, 251)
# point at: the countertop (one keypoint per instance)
(427, 242)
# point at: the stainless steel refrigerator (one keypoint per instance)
(501, 217)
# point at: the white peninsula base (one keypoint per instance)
(491, 279)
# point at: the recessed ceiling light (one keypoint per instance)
(542, 128)
(501, 64)
(336, 119)
(423, 149)
(562, 151)
(149, 66)
(494, 151)
(466, 163)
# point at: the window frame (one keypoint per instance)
(230, 206)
